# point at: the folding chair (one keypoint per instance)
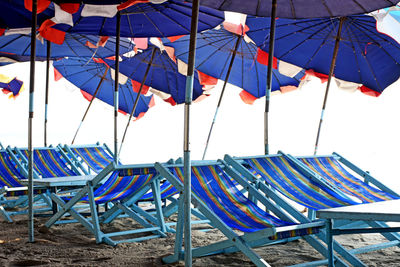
(216, 195)
(12, 193)
(123, 186)
(282, 175)
(47, 162)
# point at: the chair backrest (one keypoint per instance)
(49, 162)
(288, 179)
(120, 185)
(9, 174)
(96, 157)
(331, 169)
(215, 188)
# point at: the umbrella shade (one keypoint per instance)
(75, 45)
(163, 74)
(146, 20)
(87, 75)
(365, 56)
(213, 53)
(300, 8)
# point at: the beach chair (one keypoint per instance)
(90, 158)
(123, 186)
(282, 175)
(47, 162)
(216, 195)
(12, 193)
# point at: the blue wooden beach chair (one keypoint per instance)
(282, 175)
(12, 193)
(123, 186)
(47, 162)
(216, 195)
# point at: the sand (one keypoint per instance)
(72, 245)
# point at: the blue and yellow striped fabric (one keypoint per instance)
(215, 188)
(9, 174)
(97, 158)
(288, 180)
(49, 163)
(119, 187)
(334, 172)
(167, 190)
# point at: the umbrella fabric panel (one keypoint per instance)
(13, 14)
(213, 53)
(365, 56)
(87, 75)
(146, 20)
(300, 8)
(163, 74)
(75, 45)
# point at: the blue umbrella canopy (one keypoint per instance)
(144, 20)
(214, 51)
(365, 56)
(17, 46)
(163, 75)
(300, 8)
(87, 75)
(15, 15)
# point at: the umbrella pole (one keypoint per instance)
(116, 79)
(31, 237)
(46, 100)
(269, 76)
(331, 70)
(222, 92)
(137, 97)
(90, 104)
(187, 184)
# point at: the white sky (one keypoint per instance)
(363, 129)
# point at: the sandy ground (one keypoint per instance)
(72, 245)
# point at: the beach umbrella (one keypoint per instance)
(347, 48)
(95, 80)
(169, 18)
(163, 76)
(293, 9)
(17, 47)
(11, 86)
(299, 8)
(154, 68)
(228, 54)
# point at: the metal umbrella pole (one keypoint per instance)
(138, 96)
(269, 76)
(239, 38)
(116, 79)
(46, 100)
(31, 237)
(331, 70)
(187, 183)
(90, 104)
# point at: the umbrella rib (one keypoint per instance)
(15, 39)
(369, 67)
(256, 67)
(382, 38)
(302, 42)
